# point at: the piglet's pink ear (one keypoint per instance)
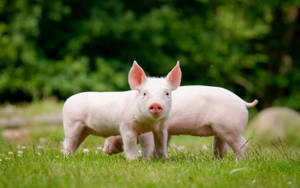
(174, 77)
(136, 76)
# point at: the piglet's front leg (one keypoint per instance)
(129, 138)
(147, 144)
(161, 140)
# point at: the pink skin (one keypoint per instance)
(201, 111)
(130, 113)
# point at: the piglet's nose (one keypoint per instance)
(155, 108)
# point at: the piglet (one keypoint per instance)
(144, 108)
(201, 111)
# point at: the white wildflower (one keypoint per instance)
(7, 158)
(85, 150)
(38, 153)
(56, 156)
(20, 153)
(99, 148)
(204, 147)
(23, 147)
(289, 183)
(96, 151)
(10, 153)
(39, 147)
(0, 160)
(177, 148)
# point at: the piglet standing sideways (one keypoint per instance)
(129, 113)
(201, 111)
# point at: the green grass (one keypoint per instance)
(190, 167)
(42, 163)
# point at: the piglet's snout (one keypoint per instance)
(155, 109)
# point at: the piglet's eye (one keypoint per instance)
(167, 93)
(144, 93)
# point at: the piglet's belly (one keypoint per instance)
(190, 129)
(104, 129)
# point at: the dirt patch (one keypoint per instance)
(44, 119)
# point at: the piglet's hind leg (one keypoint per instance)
(239, 145)
(220, 147)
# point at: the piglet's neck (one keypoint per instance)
(147, 120)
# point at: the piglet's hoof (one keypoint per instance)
(131, 158)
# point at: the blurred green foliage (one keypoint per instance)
(60, 47)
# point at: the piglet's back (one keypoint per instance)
(84, 105)
(196, 108)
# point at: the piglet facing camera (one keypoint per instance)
(145, 108)
(201, 111)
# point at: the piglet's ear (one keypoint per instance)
(174, 77)
(136, 76)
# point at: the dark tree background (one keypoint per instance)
(59, 47)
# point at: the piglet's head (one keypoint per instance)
(154, 94)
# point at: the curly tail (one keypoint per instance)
(252, 104)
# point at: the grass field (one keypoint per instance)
(39, 162)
